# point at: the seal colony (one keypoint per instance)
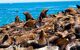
(49, 32)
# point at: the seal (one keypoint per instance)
(28, 16)
(43, 14)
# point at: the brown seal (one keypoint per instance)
(43, 14)
(30, 23)
(17, 20)
(62, 43)
(28, 16)
(42, 38)
(78, 6)
(70, 11)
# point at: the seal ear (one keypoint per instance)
(28, 16)
(78, 6)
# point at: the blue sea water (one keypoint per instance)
(8, 11)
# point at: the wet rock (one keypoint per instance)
(49, 48)
(30, 48)
(10, 48)
(28, 16)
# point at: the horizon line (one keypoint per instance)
(37, 1)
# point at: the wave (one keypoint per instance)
(72, 6)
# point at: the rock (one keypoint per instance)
(28, 16)
(30, 48)
(43, 14)
(9, 48)
(49, 48)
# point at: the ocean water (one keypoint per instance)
(8, 11)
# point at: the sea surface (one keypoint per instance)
(8, 11)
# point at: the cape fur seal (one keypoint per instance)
(28, 16)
